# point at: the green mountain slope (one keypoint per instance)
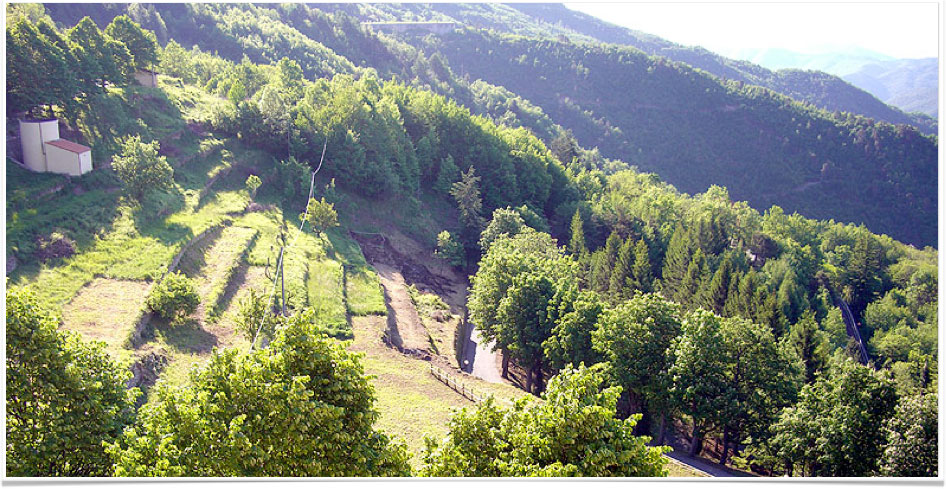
(692, 129)
(686, 125)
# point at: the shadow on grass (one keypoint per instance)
(186, 335)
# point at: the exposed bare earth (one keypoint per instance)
(406, 331)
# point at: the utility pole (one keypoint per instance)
(282, 278)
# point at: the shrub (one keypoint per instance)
(174, 297)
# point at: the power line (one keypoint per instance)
(282, 253)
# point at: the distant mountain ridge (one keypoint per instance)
(911, 84)
(840, 61)
(553, 21)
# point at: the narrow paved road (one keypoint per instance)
(485, 362)
(703, 465)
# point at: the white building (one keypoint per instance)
(45, 151)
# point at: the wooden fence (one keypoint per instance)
(452, 383)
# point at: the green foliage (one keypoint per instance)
(836, 427)
(576, 315)
(140, 168)
(321, 215)
(510, 259)
(253, 183)
(39, 68)
(252, 317)
(573, 433)
(65, 397)
(634, 338)
(911, 448)
(301, 407)
(174, 298)
(101, 59)
(505, 222)
(810, 345)
(449, 249)
(524, 323)
(141, 44)
(467, 194)
(576, 245)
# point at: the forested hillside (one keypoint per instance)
(278, 261)
(554, 21)
(764, 148)
(692, 129)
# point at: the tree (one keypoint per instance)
(253, 183)
(65, 397)
(680, 252)
(449, 249)
(103, 59)
(321, 215)
(576, 314)
(602, 265)
(576, 245)
(836, 427)
(634, 338)
(762, 379)
(252, 318)
(700, 387)
(642, 273)
(911, 448)
(141, 169)
(810, 344)
(467, 194)
(524, 323)
(141, 44)
(713, 297)
(174, 298)
(38, 70)
(621, 283)
(505, 222)
(573, 433)
(509, 257)
(301, 407)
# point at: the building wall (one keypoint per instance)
(32, 136)
(59, 160)
(85, 162)
(146, 78)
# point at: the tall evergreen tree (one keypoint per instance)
(621, 284)
(676, 263)
(809, 344)
(576, 245)
(713, 297)
(643, 272)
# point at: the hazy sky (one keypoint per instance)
(901, 30)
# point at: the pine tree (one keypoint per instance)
(676, 263)
(713, 297)
(621, 281)
(692, 281)
(576, 245)
(642, 273)
(603, 263)
(809, 343)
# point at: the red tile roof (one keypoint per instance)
(69, 146)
